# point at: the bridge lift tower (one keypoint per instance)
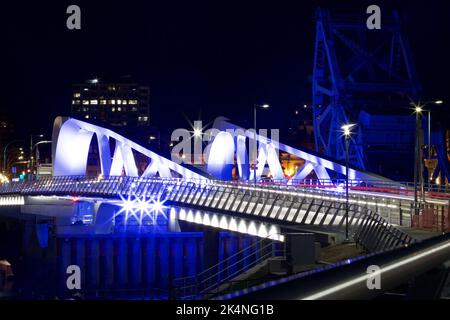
(357, 69)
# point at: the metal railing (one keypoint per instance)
(377, 186)
(343, 280)
(335, 185)
(217, 278)
(274, 203)
(375, 234)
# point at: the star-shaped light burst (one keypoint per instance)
(141, 207)
(126, 206)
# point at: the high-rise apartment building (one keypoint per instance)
(119, 104)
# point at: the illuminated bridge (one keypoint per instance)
(142, 228)
(260, 211)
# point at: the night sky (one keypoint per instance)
(200, 59)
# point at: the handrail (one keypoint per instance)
(237, 272)
(201, 287)
(348, 279)
(368, 185)
(181, 192)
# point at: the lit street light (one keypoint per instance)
(347, 133)
(262, 106)
(31, 152)
(37, 153)
(197, 132)
(4, 154)
(419, 108)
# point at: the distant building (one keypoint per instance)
(118, 104)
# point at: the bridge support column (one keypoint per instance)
(135, 262)
(191, 255)
(121, 262)
(107, 263)
(164, 248)
(149, 262)
(177, 253)
(210, 244)
(64, 256)
(80, 256)
(232, 246)
(245, 244)
(93, 264)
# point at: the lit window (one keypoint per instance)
(76, 95)
(124, 101)
(94, 101)
(86, 116)
(85, 101)
(119, 109)
(113, 109)
(119, 101)
(75, 101)
(112, 101)
(85, 89)
(132, 101)
(103, 101)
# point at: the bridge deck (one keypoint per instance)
(277, 204)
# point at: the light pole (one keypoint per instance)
(347, 134)
(418, 110)
(263, 106)
(418, 156)
(13, 156)
(4, 153)
(30, 167)
(429, 128)
(37, 153)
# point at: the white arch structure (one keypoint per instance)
(72, 139)
(71, 142)
(267, 155)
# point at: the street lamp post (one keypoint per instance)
(418, 111)
(4, 154)
(11, 157)
(429, 129)
(37, 153)
(263, 106)
(418, 156)
(347, 134)
(30, 167)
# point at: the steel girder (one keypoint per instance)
(353, 68)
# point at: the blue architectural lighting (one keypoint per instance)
(140, 207)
